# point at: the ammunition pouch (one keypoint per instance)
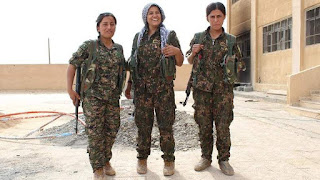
(230, 71)
(168, 68)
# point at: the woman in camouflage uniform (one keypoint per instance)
(100, 82)
(212, 92)
(153, 88)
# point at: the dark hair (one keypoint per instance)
(102, 15)
(214, 6)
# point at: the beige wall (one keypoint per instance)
(311, 56)
(273, 68)
(53, 77)
(309, 3)
(40, 77)
(272, 10)
(182, 77)
(240, 17)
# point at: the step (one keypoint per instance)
(308, 98)
(315, 97)
(310, 104)
(301, 111)
(277, 92)
(315, 92)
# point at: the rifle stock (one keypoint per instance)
(78, 87)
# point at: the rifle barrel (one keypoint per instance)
(78, 84)
(76, 113)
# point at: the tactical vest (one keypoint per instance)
(168, 64)
(89, 69)
(229, 63)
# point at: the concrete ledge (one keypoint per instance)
(301, 83)
(304, 111)
(266, 87)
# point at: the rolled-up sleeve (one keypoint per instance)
(80, 55)
(175, 41)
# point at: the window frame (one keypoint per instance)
(311, 34)
(277, 36)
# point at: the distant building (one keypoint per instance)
(277, 38)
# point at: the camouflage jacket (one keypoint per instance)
(211, 75)
(149, 64)
(108, 62)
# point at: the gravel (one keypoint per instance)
(185, 131)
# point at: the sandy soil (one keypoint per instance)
(267, 143)
(42, 159)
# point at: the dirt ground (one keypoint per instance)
(267, 143)
(57, 158)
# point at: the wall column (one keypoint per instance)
(253, 42)
(297, 36)
(229, 4)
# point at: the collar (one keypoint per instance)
(101, 43)
(220, 36)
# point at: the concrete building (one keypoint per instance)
(280, 41)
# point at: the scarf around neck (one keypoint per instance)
(164, 33)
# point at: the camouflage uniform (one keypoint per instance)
(153, 92)
(213, 96)
(101, 103)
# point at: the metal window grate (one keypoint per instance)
(313, 26)
(277, 36)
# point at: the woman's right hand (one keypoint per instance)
(196, 48)
(74, 96)
(127, 91)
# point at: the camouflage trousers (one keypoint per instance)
(164, 105)
(218, 108)
(103, 122)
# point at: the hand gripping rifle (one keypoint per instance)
(192, 76)
(199, 38)
(78, 87)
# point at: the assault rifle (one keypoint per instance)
(78, 87)
(188, 90)
(192, 74)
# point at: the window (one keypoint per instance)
(277, 36)
(313, 26)
(234, 1)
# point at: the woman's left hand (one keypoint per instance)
(170, 50)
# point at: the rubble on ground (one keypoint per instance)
(185, 132)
